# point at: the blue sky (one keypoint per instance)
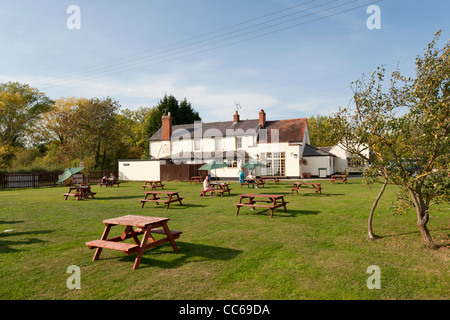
(214, 53)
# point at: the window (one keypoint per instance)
(275, 164)
(218, 143)
(355, 161)
(232, 163)
(238, 142)
(197, 144)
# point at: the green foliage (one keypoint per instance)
(320, 131)
(20, 107)
(408, 122)
(181, 113)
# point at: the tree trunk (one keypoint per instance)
(422, 218)
(372, 210)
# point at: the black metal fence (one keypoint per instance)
(47, 179)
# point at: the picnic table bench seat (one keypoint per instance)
(127, 248)
(258, 182)
(107, 184)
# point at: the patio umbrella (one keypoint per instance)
(68, 173)
(250, 165)
(213, 165)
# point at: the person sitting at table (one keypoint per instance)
(251, 179)
(111, 179)
(207, 186)
(104, 180)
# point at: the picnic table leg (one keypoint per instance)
(138, 259)
(98, 251)
(179, 200)
(238, 207)
(170, 237)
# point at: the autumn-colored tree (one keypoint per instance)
(81, 130)
(20, 106)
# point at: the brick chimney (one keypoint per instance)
(235, 117)
(166, 126)
(262, 119)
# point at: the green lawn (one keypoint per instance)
(316, 250)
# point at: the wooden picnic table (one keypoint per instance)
(317, 187)
(219, 187)
(153, 184)
(157, 196)
(275, 179)
(80, 192)
(273, 201)
(341, 177)
(145, 226)
(196, 179)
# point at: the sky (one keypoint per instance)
(294, 59)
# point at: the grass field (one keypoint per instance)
(315, 250)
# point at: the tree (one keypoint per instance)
(182, 113)
(320, 131)
(20, 107)
(78, 129)
(131, 124)
(407, 131)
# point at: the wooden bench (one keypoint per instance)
(215, 191)
(71, 194)
(108, 184)
(127, 248)
(258, 182)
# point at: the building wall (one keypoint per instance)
(316, 163)
(139, 170)
(341, 161)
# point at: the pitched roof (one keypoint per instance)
(225, 128)
(311, 151)
(291, 130)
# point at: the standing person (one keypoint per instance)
(241, 175)
(251, 179)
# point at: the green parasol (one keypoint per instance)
(213, 165)
(68, 173)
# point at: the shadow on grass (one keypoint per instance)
(290, 213)
(6, 246)
(188, 253)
